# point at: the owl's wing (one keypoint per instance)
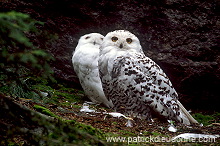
(157, 75)
(85, 65)
(137, 72)
(85, 61)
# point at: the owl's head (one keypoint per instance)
(91, 38)
(122, 40)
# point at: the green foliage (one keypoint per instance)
(126, 133)
(87, 128)
(204, 119)
(45, 111)
(68, 96)
(39, 130)
(216, 117)
(14, 25)
(19, 58)
(58, 95)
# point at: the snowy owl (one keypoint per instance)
(85, 63)
(134, 83)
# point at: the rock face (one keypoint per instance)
(181, 36)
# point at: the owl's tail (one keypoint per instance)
(188, 119)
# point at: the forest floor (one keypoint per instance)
(152, 132)
(67, 20)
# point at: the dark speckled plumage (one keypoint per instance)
(134, 83)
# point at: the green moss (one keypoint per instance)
(69, 94)
(5, 89)
(45, 111)
(147, 133)
(127, 133)
(76, 106)
(204, 119)
(87, 128)
(114, 123)
(155, 133)
(216, 117)
(71, 121)
(207, 119)
(10, 143)
(60, 96)
(66, 96)
(53, 136)
(44, 88)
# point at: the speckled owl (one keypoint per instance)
(134, 83)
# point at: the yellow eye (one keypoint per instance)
(129, 40)
(114, 39)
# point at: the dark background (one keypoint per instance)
(182, 36)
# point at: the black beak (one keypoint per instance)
(121, 46)
(94, 42)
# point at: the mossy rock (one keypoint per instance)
(87, 128)
(45, 111)
(40, 130)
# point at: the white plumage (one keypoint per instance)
(135, 84)
(85, 63)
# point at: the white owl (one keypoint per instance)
(134, 83)
(85, 63)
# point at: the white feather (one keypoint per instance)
(85, 63)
